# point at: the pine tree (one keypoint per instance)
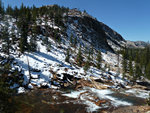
(147, 71)
(33, 43)
(16, 13)
(6, 39)
(124, 64)
(79, 58)
(67, 56)
(147, 55)
(75, 41)
(141, 58)
(5, 94)
(87, 63)
(71, 39)
(99, 60)
(124, 61)
(130, 67)
(23, 45)
(9, 10)
(49, 46)
(2, 11)
(47, 43)
(59, 40)
(138, 71)
(28, 15)
(34, 13)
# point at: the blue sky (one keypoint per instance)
(130, 18)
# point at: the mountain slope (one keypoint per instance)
(36, 46)
(137, 44)
(53, 39)
(95, 32)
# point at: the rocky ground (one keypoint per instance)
(79, 101)
(131, 109)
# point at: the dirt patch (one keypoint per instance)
(48, 101)
(131, 109)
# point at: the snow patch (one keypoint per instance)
(21, 90)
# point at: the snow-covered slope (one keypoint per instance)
(47, 67)
(36, 66)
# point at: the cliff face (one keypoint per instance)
(89, 32)
(93, 32)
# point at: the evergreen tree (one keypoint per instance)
(7, 104)
(147, 55)
(92, 53)
(23, 26)
(59, 40)
(124, 61)
(130, 67)
(23, 45)
(140, 56)
(16, 13)
(147, 71)
(13, 36)
(75, 41)
(33, 43)
(138, 71)
(5, 94)
(49, 46)
(79, 58)
(6, 40)
(99, 60)
(67, 56)
(1, 8)
(87, 63)
(137, 58)
(9, 10)
(22, 11)
(71, 39)
(34, 13)
(28, 15)
(47, 43)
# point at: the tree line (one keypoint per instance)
(136, 61)
(26, 18)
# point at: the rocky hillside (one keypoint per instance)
(137, 44)
(60, 48)
(95, 33)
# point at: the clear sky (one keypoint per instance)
(130, 18)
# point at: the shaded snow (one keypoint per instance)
(138, 93)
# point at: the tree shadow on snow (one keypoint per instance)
(49, 57)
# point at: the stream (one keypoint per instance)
(82, 101)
